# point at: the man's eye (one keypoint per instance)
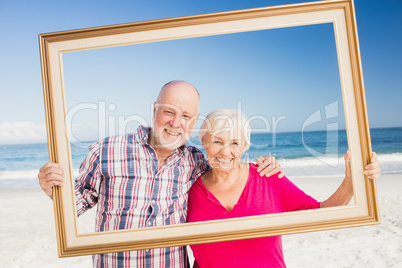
(169, 112)
(217, 142)
(187, 117)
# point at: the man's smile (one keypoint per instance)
(172, 133)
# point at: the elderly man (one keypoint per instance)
(142, 179)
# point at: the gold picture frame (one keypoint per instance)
(339, 12)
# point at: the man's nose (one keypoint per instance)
(176, 121)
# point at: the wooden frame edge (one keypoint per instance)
(45, 39)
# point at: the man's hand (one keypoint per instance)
(268, 166)
(50, 175)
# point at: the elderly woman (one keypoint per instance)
(233, 189)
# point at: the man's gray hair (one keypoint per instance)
(227, 120)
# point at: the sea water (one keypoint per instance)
(317, 154)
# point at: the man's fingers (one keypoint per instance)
(53, 170)
(260, 159)
(47, 186)
(51, 174)
(267, 172)
(58, 183)
(264, 162)
(49, 165)
(50, 168)
(51, 182)
(53, 177)
(261, 163)
(258, 162)
(50, 177)
(268, 166)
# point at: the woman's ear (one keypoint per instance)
(244, 147)
(203, 142)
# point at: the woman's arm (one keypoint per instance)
(344, 193)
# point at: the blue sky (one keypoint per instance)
(248, 68)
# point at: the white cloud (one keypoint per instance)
(22, 132)
(82, 133)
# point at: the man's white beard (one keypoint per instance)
(169, 143)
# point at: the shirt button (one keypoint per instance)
(153, 201)
(147, 250)
(149, 223)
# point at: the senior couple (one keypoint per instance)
(150, 178)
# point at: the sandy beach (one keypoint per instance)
(27, 234)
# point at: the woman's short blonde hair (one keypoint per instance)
(227, 120)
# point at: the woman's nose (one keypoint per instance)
(225, 150)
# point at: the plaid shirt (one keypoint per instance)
(121, 175)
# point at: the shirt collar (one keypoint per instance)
(143, 134)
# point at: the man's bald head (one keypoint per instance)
(178, 87)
